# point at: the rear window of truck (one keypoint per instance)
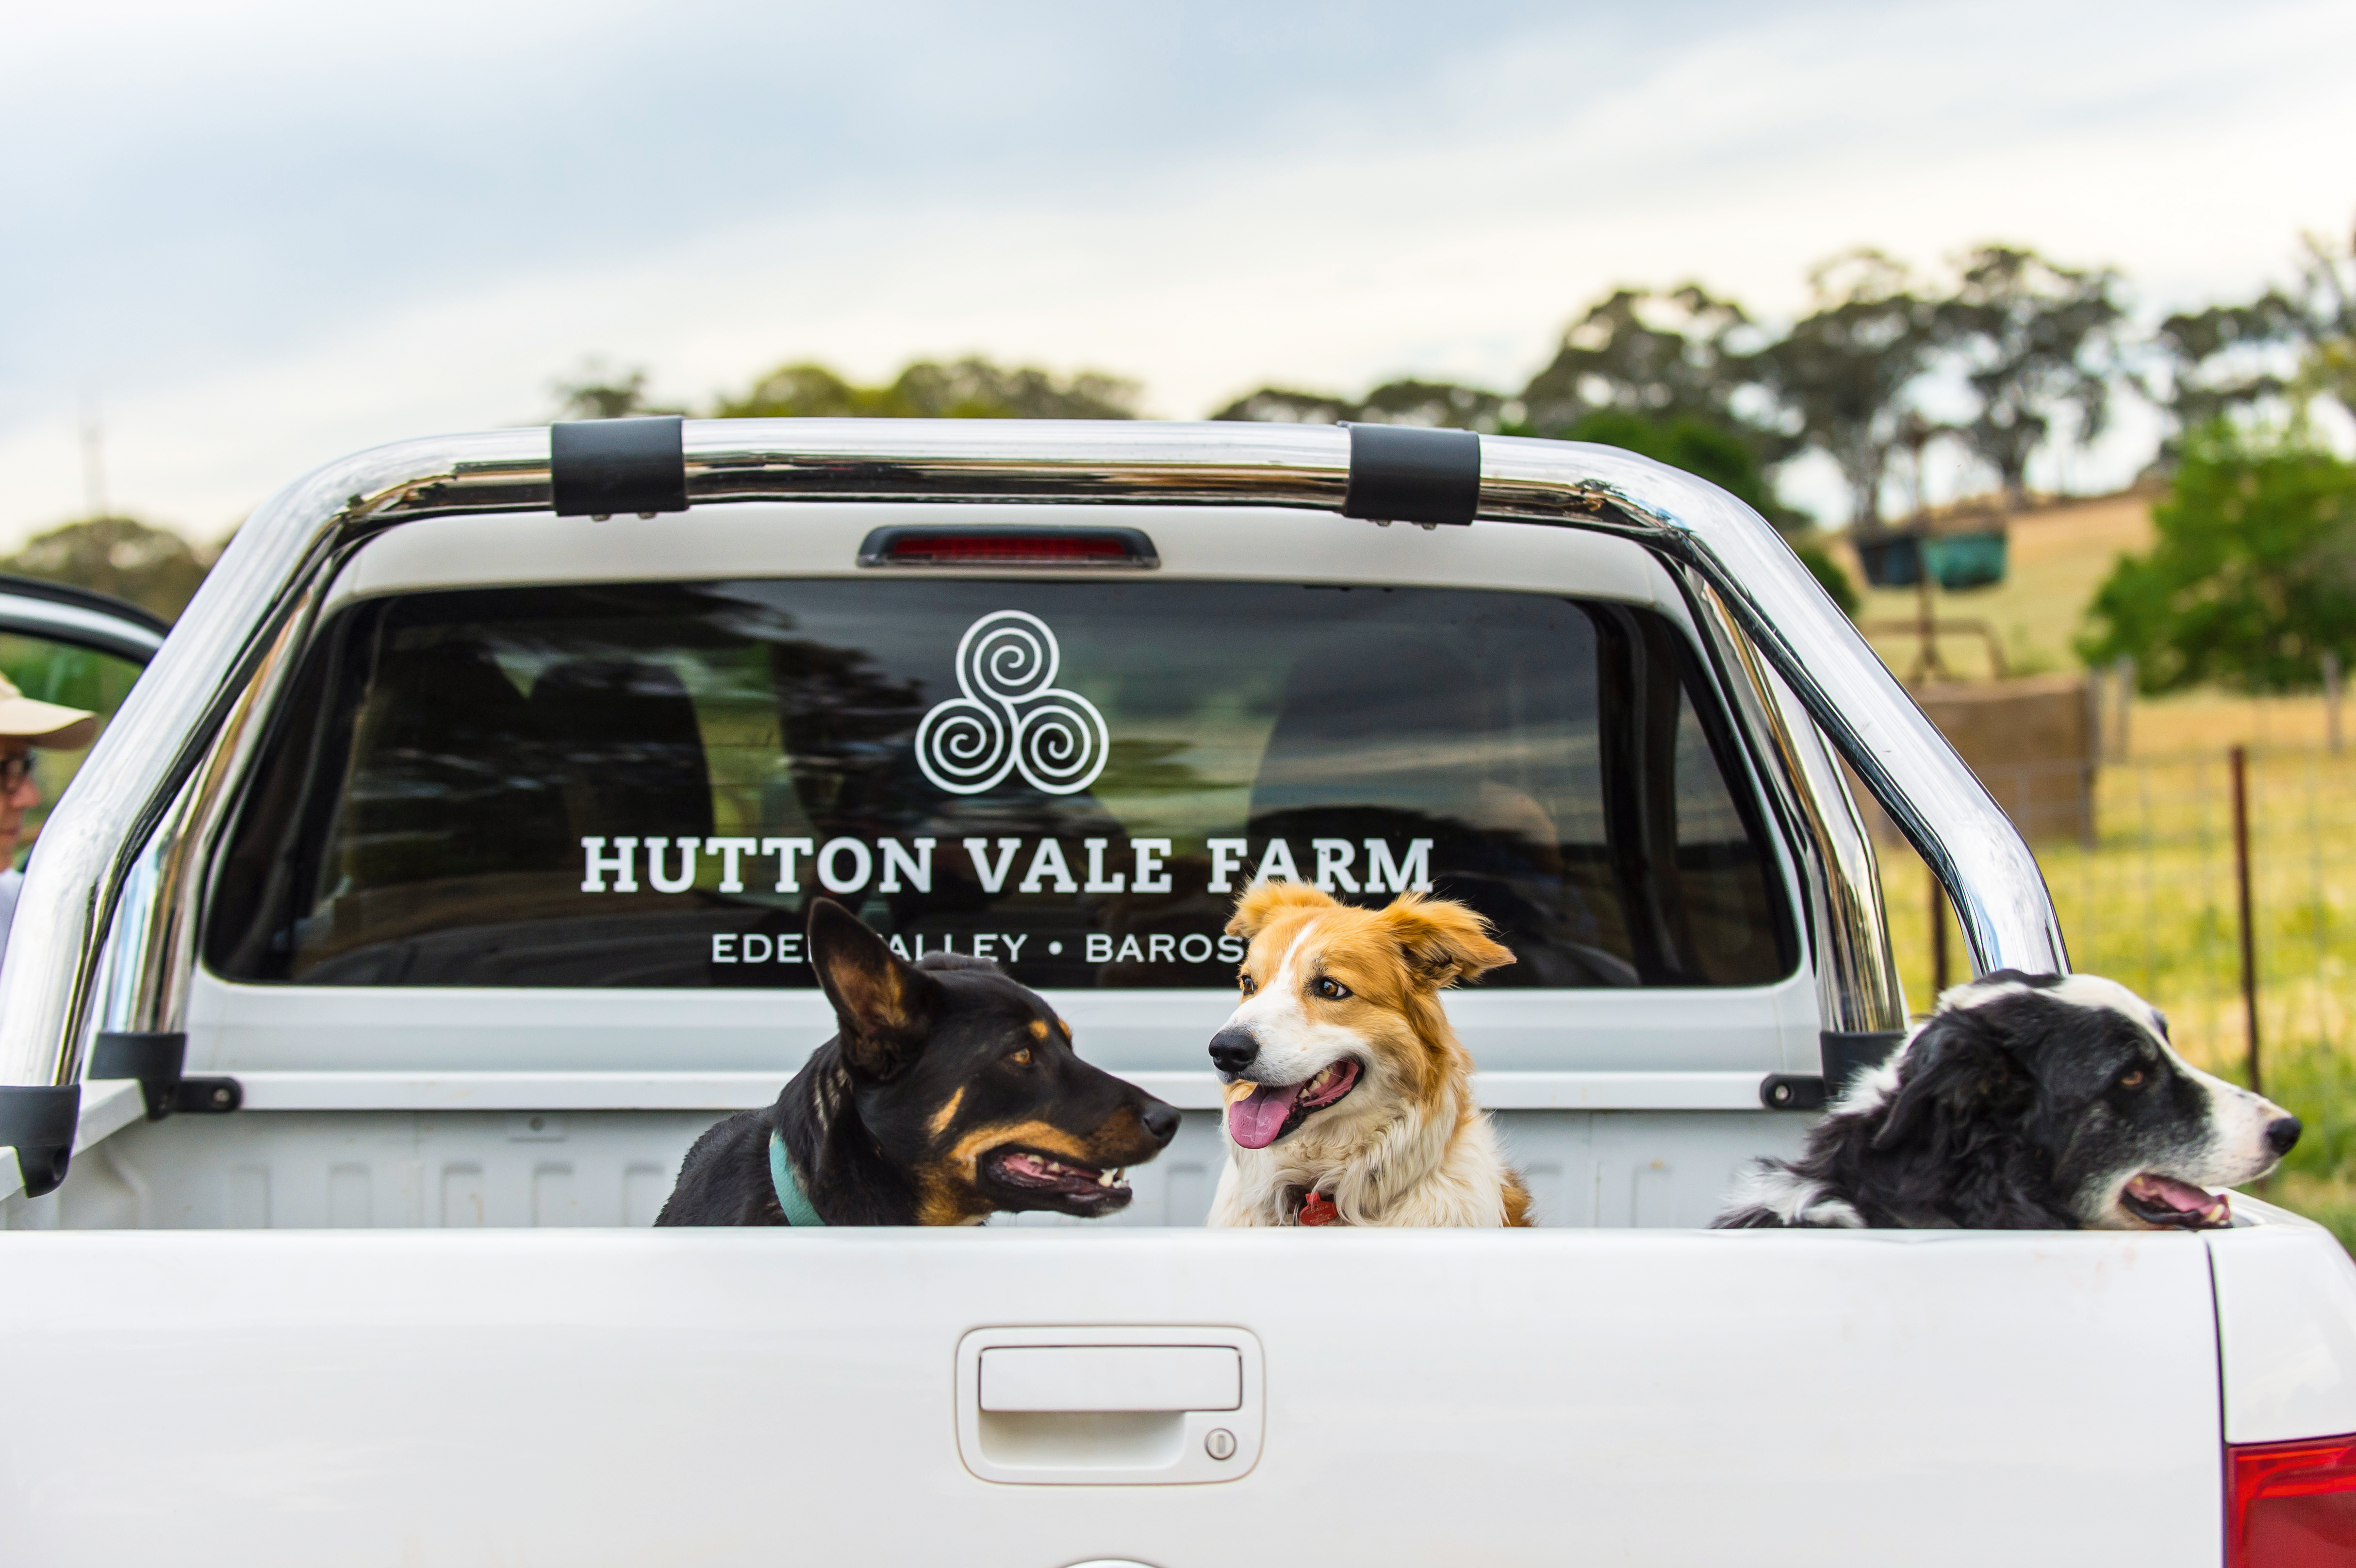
(642, 784)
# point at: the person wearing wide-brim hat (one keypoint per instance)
(26, 723)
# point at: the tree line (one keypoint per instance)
(1998, 356)
(2002, 355)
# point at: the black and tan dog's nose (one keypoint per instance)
(1160, 1122)
(1233, 1049)
(2281, 1132)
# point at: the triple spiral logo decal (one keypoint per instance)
(1012, 718)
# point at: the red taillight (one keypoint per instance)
(2291, 1505)
(933, 545)
(984, 547)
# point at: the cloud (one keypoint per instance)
(280, 233)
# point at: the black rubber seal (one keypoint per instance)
(155, 1060)
(39, 1124)
(1846, 1056)
(599, 468)
(1405, 473)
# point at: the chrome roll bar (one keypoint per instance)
(255, 608)
(1858, 993)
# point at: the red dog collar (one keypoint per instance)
(1319, 1209)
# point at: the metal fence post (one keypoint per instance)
(1938, 939)
(2331, 699)
(2125, 670)
(2241, 757)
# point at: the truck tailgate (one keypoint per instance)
(1430, 1397)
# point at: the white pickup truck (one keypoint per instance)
(443, 878)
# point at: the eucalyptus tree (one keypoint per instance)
(2032, 338)
(2223, 360)
(598, 392)
(151, 567)
(1682, 353)
(1842, 373)
(1442, 405)
(960, 389)
(1290, 405)
(2326, 308)
(2264, 358)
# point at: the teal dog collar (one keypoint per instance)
(790, 1197)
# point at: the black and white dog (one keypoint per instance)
(2026, 1103)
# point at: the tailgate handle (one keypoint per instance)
(1110, 1405)
(1112, 1378)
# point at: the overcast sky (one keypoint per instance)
(256, 235)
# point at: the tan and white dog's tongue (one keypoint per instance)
(1255, 1116)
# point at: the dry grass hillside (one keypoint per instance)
(2060, 555)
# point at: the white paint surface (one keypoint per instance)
(721, 1397)
(821, 539)
(108, 1105)
(424, 1032)
(2286, 1326)
(1191, 1090)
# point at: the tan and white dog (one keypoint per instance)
(1348, 1095)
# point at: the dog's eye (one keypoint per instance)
(1332, 989)
(2131, 1079)
(1020, 1058)
(1248, 983)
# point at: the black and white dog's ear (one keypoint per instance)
(1956, 1076)
(883, 1004)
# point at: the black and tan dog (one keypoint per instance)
(950, 1093)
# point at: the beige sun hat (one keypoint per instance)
(46, 724)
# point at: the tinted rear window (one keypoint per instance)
(640, 784)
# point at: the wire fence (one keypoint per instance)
(2147, 886)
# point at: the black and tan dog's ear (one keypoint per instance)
(1265, 899)
(883, 1004)
(1443, 941)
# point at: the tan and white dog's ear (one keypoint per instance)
(1265, 899)
(1443, 941)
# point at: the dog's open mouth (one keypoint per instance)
(2164, 1201)
(1079, 1186)
(1264, 1112)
